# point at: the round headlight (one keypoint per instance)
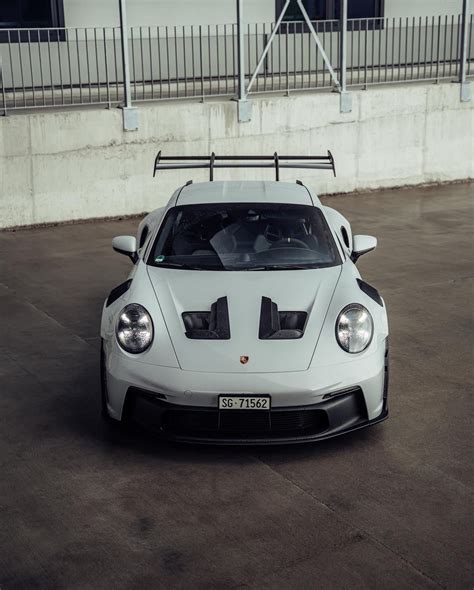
(134, 328)
(354, 328)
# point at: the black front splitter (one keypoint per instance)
(270, 441)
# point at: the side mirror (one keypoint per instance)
(126, 245)
(362, 245)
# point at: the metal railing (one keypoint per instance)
(385, 50)
(83, 66)
(183, 61)
(60, 67)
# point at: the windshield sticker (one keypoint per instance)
(159, 258)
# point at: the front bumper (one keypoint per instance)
(311, 405)
(340, 413)
(288, 389)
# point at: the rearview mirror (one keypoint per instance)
(362, 245)
(126, 245)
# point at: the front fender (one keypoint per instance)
(327, 350)
(161, 352)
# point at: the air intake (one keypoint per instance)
(208, 325)
(280, 325)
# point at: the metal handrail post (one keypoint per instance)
(3, 87)
(465, 86)
(343, 43)
(240, 51)
(130, 113)
(345, 100)
(244, 106)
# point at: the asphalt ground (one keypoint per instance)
(85, 506)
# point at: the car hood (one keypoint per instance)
(180, 291)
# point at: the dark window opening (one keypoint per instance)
(30, 14)
(316, 10)
(369, 11)
(324, 10)
(293, 19)
(363, 9)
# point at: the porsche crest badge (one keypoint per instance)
(244, 360)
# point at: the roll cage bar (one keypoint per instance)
(211, 162)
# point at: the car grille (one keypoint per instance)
(235, 423)
(344, 409)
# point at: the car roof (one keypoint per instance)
(248, 191)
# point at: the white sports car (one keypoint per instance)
(244, 319)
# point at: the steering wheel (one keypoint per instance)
(272, 233)
(289, 242)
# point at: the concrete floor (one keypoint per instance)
(82, 506)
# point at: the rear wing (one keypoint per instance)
(211, 162)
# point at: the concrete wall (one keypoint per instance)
(104, 13)
(422, 7)
(78, 164)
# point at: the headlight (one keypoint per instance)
(354, 328)
(134, 328)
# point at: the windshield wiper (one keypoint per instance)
(282, 267)
(184, 266)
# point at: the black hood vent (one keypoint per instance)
(280, 325)
(118, 292)
(208, 325)
(370, 291)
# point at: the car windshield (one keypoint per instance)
(244, 236)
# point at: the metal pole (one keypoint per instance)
(346, 102)
(240, 51)
(125, 58)
(268, 45)
(3, 88)
(343, 43)
(130, 113)
(244, 107)
(319, 45)
(465, 87)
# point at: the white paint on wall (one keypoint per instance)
(94, 13)
(394, 8)
(79, 164)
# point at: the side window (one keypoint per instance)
(143, 237)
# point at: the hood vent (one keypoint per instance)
(208, 325)
(280, 325)
(370, 291)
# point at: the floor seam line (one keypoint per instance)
(47, 315)
(370, 536)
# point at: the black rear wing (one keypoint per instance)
(211, 162)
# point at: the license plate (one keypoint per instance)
(244, 402)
